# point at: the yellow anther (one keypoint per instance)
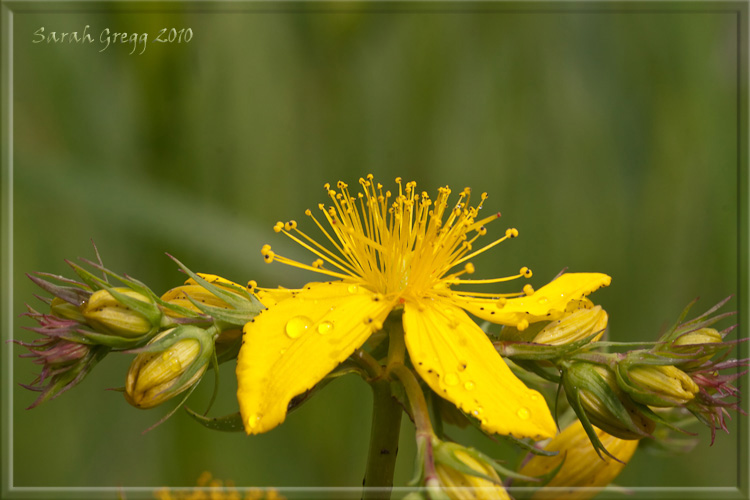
(484, 196)
(278, 227)
(482, 230)
(398, 180)
(341, 185)
(332, 193)
(501, 302)
(318, 263)
(292, 224)
(522, 325)
(528, 289)
(268, 256)
(370, 177)
(327, 186)
(265, 249)
(252, 285)
(308, 212)
(469, 268)
(321, 206)
(511, 232)
(525, 272)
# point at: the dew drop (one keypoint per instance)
(534, 397)
(451, 379)
(298, 325)
(543, 300)
(325, 327)
(477, 411)
(353, 288)
(469, 386)
(175, 366)
(252, 420)
(523, 413)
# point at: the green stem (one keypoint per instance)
(381, 458)
(386, 422)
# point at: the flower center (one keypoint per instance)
(400, 245)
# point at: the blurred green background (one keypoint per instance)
(607, 137)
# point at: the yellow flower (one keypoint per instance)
(583, 471)
(388, 252)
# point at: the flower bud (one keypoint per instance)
(225, 302)
(108, 315)
(593, 389)
(179, 296)
(66, 310)
(656, 385)
(465, 475)
(582, 467)
(695, 342)
(574, 326)
(171, 363)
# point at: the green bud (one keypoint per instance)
(66, 310)
(107, 314)
(171, 363)
(696, 342)
(657, 385)
(593, 390)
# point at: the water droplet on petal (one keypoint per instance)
(543, 300)
(469, 385)
(353, 288)
(477, 411)
(523, 413)
(534, 397)
(451, 379)
(297, 326)
(325, 327)
(252, 420)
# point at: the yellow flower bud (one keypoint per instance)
(179, 295)
(606, 405)
(661, 386)
(693, 340)
(583, 471)
(155, 377)
(462, 486)
(106, 314)
(66, 310)
(574, 326)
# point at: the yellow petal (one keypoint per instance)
(272, 296)
(457, 360)
(547, 303)
(292, 345)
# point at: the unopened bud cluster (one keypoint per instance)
(175, 335)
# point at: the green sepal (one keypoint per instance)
(115, 341)
(74, 295)
(231, 317)
(535, 368)
(701, 321)
(445, 454)
(227, 423)
(228, 297)
(521, 443)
